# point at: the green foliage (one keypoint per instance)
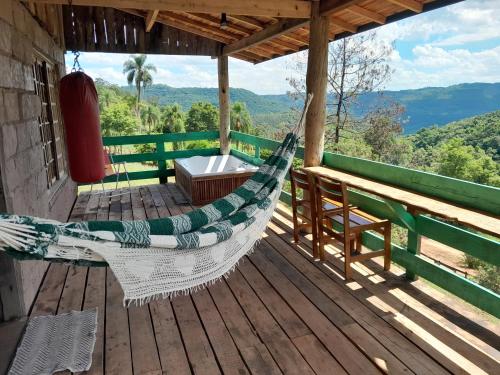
(455, 159)
(479, 131)
(489, 276)
(201, 117)
(150, 117)
(240, 118)
(116, 119)
(192, 145)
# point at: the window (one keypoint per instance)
(51, 133)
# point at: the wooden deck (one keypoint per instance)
(279, 312)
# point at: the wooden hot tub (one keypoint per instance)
(204, 179)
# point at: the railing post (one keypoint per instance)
(162, 164)
(257, 152)
(414, 241)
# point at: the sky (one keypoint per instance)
(456, 44)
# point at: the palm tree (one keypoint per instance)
(173, 122)
(139, 72)
(240, 119)
(150, 116)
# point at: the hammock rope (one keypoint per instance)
(166, 256)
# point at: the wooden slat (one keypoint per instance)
(198, 347)
(173, 357)
(151, 19)
(145, 356)
(286, 8)
(225, 350)
(282, 349)
(254, 352)
(373, 16)
(413, 5)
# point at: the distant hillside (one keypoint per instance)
(424, 107)
(479, 131)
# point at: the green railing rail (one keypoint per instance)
(160, 155)
(464, 193)
(474, 196)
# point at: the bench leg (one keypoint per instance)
(347, 259)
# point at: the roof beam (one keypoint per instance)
(151, 19)
(371, 15)
(272, 31)
(265, 8)
(334, 21)
(413, 5)
(285, 26)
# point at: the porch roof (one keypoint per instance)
(256, 31)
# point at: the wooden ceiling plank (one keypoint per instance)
(335, 21)
(265, 8)
(373, 16)
(329, 7)
(151, 19)
(282, 27)
(413, 5)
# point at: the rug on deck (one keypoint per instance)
(57, 342)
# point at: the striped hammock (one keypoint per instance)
(163, 257)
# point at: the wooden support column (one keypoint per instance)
(224, 110)
(316, 80)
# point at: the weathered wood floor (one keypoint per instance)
(279, 312)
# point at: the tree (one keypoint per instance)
(173, 122)
(150, 116)
(117, 120)
(138, 72)
(240, 119)
(356, 65)
(202, 117)
(455, 159)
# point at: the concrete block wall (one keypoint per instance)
(23, 177)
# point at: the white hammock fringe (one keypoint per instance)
(16, 236)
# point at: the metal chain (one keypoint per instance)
(76, 64)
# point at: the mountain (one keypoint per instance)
(424, 107)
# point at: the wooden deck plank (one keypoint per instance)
(404, 349)
(225, 350)
(334, 338)
(295, 328)
(95, 294)
(255, 354)
(173, 356)
(118, 357)
(440, 344)
(49, 294)
(145, 358)
(280, 346)
(197, 345)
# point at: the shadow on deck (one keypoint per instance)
(279, 312)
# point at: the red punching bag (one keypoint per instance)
(80, 110)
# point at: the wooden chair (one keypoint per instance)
(333, 210)
(303, 208)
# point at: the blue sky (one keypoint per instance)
(455, 44)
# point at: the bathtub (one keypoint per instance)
(204, 179)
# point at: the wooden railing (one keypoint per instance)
(160, 155)
(463, 193)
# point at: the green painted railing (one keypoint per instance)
(160, 155)
(475, 196)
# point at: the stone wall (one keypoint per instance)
(23, 177)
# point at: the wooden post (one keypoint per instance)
(224, 110)
(316, 80)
